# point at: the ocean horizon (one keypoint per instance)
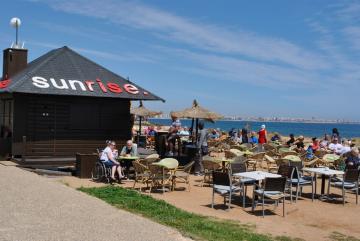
(284, 128)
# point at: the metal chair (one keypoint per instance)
(239, 167)
(350, 181)
(222, 184)
(299, 181)
(274, 190)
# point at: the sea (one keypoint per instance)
(284, 128)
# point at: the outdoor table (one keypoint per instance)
(323, 171)
(171, 167)
(127, 160)
(256, 175)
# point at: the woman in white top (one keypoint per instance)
(108, 158)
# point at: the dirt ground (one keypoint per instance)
(304, 219)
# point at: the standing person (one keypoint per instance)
(244, 136)
(107, 157)
(202, 146)
(335, 134)
(262, 137)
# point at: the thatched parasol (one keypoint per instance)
(141, 112)
(196, 112)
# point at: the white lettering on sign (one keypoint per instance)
(63, 84)
(88, 85)
(40, 82)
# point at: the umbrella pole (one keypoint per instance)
(139, 132)
(197, 130)
(192, 126)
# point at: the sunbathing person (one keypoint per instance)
(107, 157)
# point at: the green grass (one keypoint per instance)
(336, 236)
(189, 224)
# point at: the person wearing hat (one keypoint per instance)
(262, 135)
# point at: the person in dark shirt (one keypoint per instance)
(291, 141)
(300, 143)
(353, 160)
(276, 137)
(244, 136)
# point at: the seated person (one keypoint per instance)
(129, 150)
(353, 160)
(214, 135)
(237, 138)
(151, 131)
(346, 146)
(253, 138)
(325, 142)
(107, 157)
(315, 144)
(276, 137)
(171, 138)
(300, 143)
(184, 131)
(336, 147)
(291, 141)
(309, 152)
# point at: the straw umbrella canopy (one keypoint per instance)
(196, 112)
(141, 112)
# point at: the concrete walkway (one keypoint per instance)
(38, 208)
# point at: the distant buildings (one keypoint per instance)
(278, 119)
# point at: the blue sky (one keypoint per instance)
(246, 58)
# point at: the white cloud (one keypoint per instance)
(209, 37)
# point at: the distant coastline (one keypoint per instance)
(282, 121)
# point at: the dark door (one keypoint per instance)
(42, 123)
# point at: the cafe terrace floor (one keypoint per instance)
(305, 219)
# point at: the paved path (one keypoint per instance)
(38, 208)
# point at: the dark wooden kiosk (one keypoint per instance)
(62, 103)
